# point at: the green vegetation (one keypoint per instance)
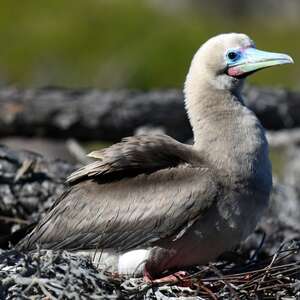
(279, 159)
(119, 43)
(95, 145)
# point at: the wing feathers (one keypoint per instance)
(136, 155)
(127, 214)
(139, 191)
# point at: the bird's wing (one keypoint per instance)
(142, 190)
(134, 156)
(129, 213)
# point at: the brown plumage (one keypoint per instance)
(152, 202)
(137, 155)
(154, 162)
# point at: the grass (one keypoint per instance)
(117, 43)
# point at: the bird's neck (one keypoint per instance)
(227, 133)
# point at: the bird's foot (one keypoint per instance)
(179, 277)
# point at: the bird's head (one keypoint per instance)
(226, 59)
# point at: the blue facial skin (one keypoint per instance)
(241, 61)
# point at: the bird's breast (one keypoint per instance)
(222, 227)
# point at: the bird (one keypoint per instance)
(150, 204)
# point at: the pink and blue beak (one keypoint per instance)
(244, 61)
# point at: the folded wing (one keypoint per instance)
(168, 189)
(136, 155)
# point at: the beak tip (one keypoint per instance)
(284, 59)
(289, 59)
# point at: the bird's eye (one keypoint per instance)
(233, 55)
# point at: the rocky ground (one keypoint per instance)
(28, 186)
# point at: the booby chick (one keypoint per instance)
(150, 203)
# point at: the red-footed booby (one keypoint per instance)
(150, 203)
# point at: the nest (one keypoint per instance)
(30, 184)
(63, 275)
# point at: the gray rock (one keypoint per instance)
(292, 175)
(276, 108)
(50, 148)
(111, 115)
(29, 185)
(284, 138)
(292, 168)
(52, 275)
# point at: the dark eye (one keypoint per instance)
(232, 55)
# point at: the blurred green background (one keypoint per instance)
(134, 43)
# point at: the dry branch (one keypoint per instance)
(110, 115)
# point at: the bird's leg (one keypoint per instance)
(177, 277)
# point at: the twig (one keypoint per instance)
(26, 167)
(14, 220)
(229, 285)
(208, 291)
